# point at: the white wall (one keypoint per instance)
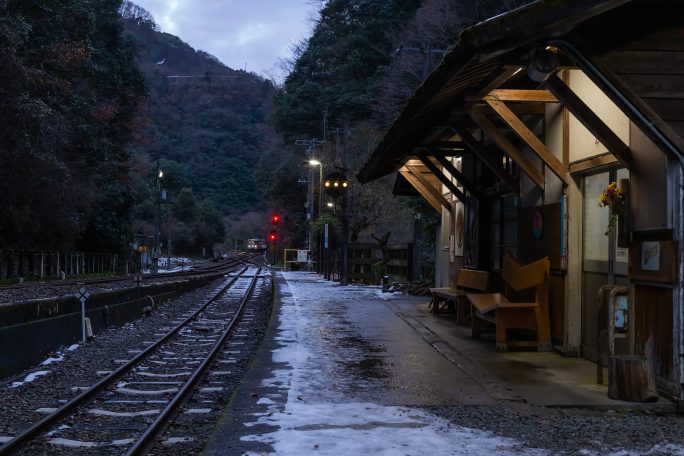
(582, 143)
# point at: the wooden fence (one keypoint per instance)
(363, 260)
(15, 264)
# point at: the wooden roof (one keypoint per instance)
(492, 52)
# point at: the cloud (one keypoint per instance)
(240, 33)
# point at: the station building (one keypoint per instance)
(517, 133)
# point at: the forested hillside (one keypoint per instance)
(208, 125)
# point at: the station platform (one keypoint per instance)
(366, 364)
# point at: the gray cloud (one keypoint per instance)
(255, 33)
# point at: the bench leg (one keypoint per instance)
(544, 346)
(501, 340)
(475, 326)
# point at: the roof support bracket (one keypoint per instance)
(530, 139)
(425, 188)
(442, 178)
(488, 158)
(511, 150)
(591, 121)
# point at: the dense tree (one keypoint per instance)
(70, 89)
(363, 61)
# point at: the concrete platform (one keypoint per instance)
(362, 363)
(541, 379)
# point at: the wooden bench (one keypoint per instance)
(468, 281)
(506, 314)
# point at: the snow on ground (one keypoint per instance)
(313, 419)
(30, 377)
(59, 356)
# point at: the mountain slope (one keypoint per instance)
(210, 119)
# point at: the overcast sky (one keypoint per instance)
(254, 33)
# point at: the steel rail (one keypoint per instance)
(86, 396)
(159, 425)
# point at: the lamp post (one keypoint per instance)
(157, 219)
(314, 162)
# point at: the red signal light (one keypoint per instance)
(275, 218)
(272, 236)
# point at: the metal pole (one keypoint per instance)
(157, 221)
(168, 244)
(310, 208)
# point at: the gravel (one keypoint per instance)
(18, 404)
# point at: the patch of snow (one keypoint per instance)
(73, 347)
(51, 360)
(30, 377)
(314, 419)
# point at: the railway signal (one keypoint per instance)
(275, 218)
(273, 236)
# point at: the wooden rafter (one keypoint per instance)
(591, 121)
(543, 96)
(509, 148)
(505, 75)
(451, 169)
(530, 139)
(442, 178)
(519, 108)
(425, 188)
(488, 158)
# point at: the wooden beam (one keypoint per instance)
(446, 145)
(520, 108)
(451, 169)
(543, 96)
(509, 148)
(530, 139)
(497, 82)
(591, 121)
(489, 159)
(442, 178)
(425, 189)
(594, 162)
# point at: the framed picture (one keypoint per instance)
(459, 229)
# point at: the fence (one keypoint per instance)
(40, 264)
(362, 258)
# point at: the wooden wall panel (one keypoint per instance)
(529, 248)
(653, 306)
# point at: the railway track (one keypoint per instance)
(51, 289)
(201, 268)
(128, 409)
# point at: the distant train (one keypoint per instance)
(256, 245)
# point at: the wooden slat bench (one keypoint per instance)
(498, 309)
(469, 281)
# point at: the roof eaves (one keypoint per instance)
(483, 41)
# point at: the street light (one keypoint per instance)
(314, 162)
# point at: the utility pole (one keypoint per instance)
(310, 146)
(157, 220)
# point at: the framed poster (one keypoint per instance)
(653, 261)
(470, 243)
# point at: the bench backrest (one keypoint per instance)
(523, 277)
(475, 280)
